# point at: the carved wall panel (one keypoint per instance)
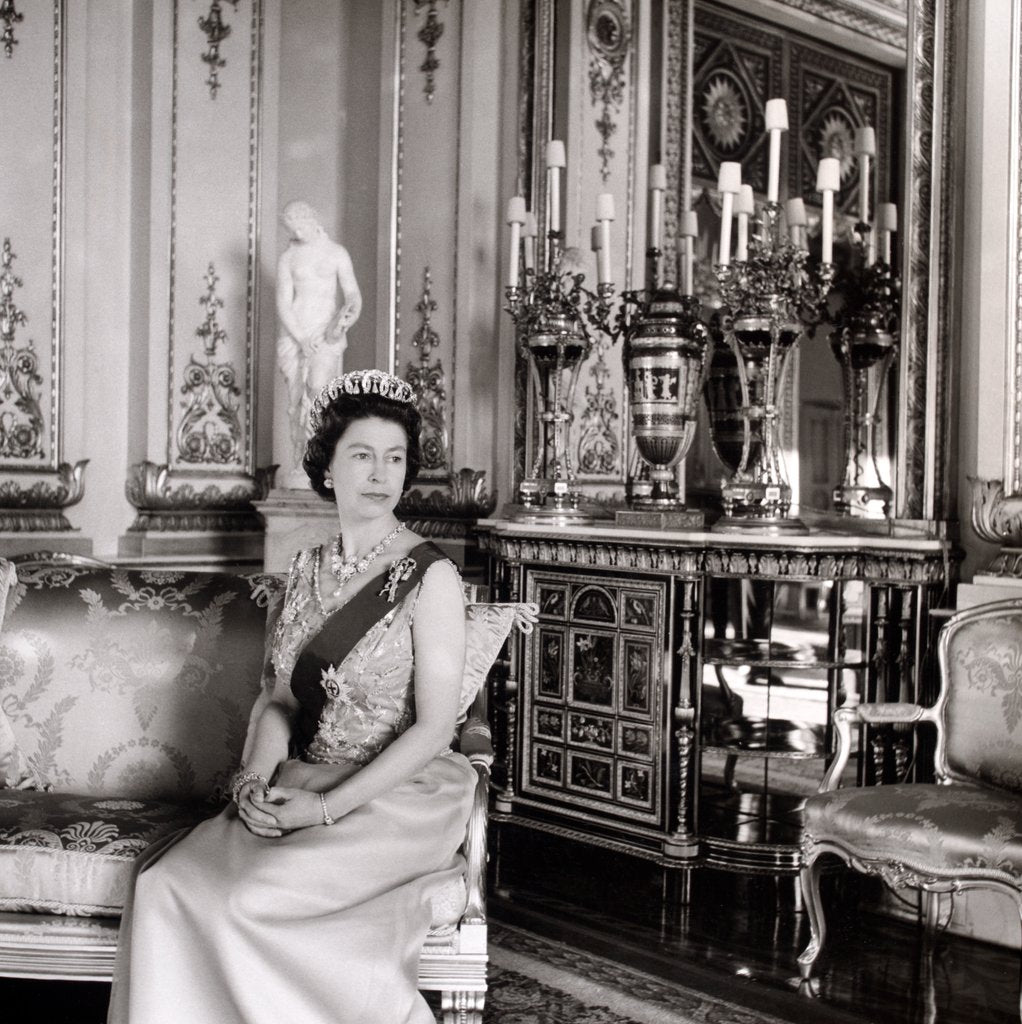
(204, 283)
(37, 484)
(428, 142)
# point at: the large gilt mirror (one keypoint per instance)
(683, 83)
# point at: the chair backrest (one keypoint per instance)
(980, 655)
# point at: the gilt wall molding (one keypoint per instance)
(609, 37)
(1013, 412)
(36, 485)
(883, 20)
(429, 35)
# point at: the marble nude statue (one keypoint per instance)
(318, 300)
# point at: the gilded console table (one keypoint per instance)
(674, 700)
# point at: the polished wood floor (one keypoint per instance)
(739, 937)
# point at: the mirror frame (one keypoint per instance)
(923, 485)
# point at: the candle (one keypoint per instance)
(529, 235)
(729, 182)
(887, 222)
(865, 148)
(515, 219)
(657, 187)
(745, 207)
(554, 163)
(776, 123)
(795, 212)
(689, 231)
(828, 181)
(604, 215)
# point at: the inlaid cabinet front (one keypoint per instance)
(596, 695)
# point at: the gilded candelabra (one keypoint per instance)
(770, 295)
(865, 342)
(554, 314)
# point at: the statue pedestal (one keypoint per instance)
(295, 518)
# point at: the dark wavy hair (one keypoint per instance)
(339, 415)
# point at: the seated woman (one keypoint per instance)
(308, 898)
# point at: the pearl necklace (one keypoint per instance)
(343, 569)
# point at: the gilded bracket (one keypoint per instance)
(10, 17)
(210, 430)
(221, 501)
(609, 36)
(430, 385)
(38, 505)
(451, 512)
(216, 32)
(429, 35)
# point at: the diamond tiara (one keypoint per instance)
(362, 382)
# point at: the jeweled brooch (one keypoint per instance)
(400, 571)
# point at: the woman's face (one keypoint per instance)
(368, 468)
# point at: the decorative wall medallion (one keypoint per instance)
(10, 17)
(430, 384)
(210, 430)
(200, 501)
(609, 36)
(21, 416)
(599, 451)
(429, 35)
(216, 32)
(37, 506)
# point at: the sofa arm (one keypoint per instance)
(868, 714)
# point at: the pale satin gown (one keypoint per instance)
(323, 925)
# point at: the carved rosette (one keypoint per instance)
(609, 37)
(169, 501)
(36, 503)
(430, 385)
(210, 429)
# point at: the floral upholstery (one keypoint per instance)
(169, 663)
(983, 715)
(124, 702)
(931, 829)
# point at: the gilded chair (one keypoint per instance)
(965, 830)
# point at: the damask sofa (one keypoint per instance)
(124, 702)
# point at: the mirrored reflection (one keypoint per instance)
(779, 657)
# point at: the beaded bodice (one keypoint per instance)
(367, 699)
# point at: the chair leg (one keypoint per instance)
(809, 879)
(929, 911)
(461, 1007)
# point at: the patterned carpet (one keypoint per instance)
(535, 981)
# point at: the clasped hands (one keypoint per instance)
(275, 811)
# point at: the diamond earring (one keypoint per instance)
(328, 481)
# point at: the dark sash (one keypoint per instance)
(339, 634)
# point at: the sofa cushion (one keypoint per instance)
(73, 855)
(131, 683)
(69, 854)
